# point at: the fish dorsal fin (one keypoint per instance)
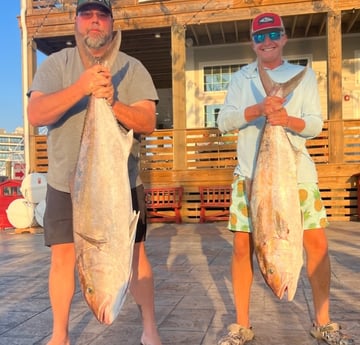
(97, 242)
(273, 88)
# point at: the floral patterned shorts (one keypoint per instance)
(312, 207)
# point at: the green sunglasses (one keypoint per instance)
(273, 35)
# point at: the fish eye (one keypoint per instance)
(89, 290)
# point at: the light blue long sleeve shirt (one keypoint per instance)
(246, 89)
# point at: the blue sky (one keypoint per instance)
(11, 94)
(11, 109)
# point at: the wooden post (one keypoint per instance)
(178, 55)
(358, 194)
(33, 131)
(336, 137)
(8, 169)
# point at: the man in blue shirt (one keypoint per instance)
(246, 109)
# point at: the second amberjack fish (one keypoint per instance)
(274, 202)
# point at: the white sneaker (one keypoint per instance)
(238, 335)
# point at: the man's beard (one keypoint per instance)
(97, 42)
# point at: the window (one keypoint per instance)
(15, 140)
(11, 191)
(217, 78)
(301, 61)
(211, 114)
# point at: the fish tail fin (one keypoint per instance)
(267, 82)
(290, 85)
(273, 88)
(111, 53)
(108, 59)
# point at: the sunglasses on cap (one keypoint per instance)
(273, 35)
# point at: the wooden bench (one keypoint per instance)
(214, 203)
(163, 204)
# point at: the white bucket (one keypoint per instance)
(39, 212)
(33, 187)
(21, 214)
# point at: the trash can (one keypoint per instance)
(9, 191)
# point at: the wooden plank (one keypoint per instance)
(336, 170)
(151, 15)
(178, 56)
(347, 4)
(31, 230)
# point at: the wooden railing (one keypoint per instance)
(210, 159)
(352, 141)
(318, 147)
(205, 148)
(208, 148)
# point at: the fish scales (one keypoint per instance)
(275, 205)
(103, 218)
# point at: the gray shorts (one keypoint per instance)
(58, 225)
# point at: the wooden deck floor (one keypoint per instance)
(193, 291)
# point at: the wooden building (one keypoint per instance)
(191, 47)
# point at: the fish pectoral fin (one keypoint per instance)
(133, 224)
(97, 242)
(282, 227)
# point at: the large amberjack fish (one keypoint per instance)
(103, 217)
(274, 202)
